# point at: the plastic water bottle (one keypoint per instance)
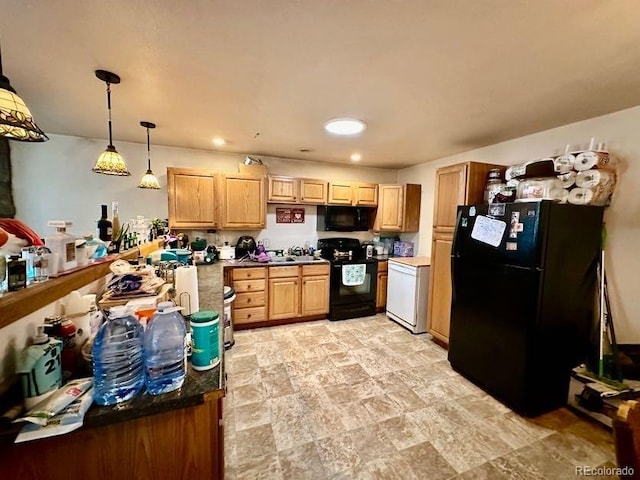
(164, 344)
(118, 358)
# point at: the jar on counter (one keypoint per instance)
(494, 185)
(16, 273)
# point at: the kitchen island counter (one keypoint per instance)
(175, 435)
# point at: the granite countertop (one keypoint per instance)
(196, 384)
(303, 260)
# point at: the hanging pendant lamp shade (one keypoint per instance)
(16, 121)
(110, 162)
(149, 180)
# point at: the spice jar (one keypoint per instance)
(17, 273)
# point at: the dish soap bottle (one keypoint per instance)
(62, 246)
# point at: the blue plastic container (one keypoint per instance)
(118, 358)
(164, 345)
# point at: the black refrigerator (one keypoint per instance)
(524, 298)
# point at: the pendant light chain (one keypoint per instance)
(109, 110)
(148, 151)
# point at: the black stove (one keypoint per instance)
(353, 278)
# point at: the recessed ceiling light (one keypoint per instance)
(219, 141)
(345, 126)
(356, 157)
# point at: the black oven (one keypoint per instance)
(352, 299)
(353, 278)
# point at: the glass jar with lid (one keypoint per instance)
(494, 185)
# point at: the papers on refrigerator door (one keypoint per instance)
(353, 275)
(488, 230)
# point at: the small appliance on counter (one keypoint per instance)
(207, 256)
(245, 245)
(226, 252)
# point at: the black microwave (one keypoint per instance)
(345, 219)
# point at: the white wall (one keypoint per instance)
(54, 181)
(619, 131)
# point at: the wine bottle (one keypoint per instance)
(115, 219)
(104, 226)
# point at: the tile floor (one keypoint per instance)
(366, 399)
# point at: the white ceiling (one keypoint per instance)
(430, 77)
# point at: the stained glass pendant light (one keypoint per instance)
(16, 121)
(149, 180)
(110, 162)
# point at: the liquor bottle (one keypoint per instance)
(104, 226)
(115, 218)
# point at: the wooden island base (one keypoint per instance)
(185, 443)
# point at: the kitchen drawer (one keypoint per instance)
(308, 270)
(282, 272)
(249, 299)
(383, 266)
(249, 285)
(249, 315)
(247, 273)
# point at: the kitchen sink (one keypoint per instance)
(295, 259)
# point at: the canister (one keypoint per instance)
(205, 326)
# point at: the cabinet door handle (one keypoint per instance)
(249, 315)
(248, 300)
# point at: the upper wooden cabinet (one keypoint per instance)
(296, 190)
(350, 193)
(340, 193)
(242, 201)
(365, 194)
(191, 194)
(460, 184)
(282, 189)
(398, 208)
(313, 191)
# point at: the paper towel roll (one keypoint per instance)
(186, 279)
(76, 308)
(564, 197)
(597, 195)
(564, 163)
(581, 196)
(593, 178)
(589, 159)
(568, 179)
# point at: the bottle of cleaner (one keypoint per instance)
(40, 368)
(62, 246)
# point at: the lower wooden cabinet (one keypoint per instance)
(440, 287)
(279, 292)
(249, 285)
(381, 289)
(284, 297)
(315, 291)
(182, 443)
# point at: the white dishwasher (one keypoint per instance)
(408, 291)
